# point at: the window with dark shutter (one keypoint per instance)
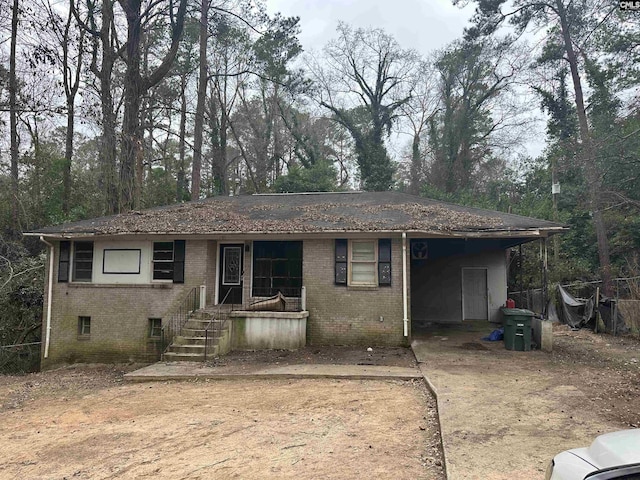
(168, 261)
(163, 260)
(341, 261)
(384, 262)
(82, 261)
(64, 260)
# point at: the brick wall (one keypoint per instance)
(343, 315)
(119, 313)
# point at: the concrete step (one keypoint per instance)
(201, 324)
(200, 332)
(184, 340)
(183, 357)
(193, 332)
(176, 348)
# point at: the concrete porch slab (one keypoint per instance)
(163, 371)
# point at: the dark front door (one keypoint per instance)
(230, 274)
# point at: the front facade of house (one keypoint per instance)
(365, 266)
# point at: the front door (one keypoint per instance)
(474, 294)
(230, 274)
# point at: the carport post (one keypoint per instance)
(544, 264)
(405, 318)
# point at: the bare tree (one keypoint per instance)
(365, 78)
(419, 110)
(104, 44)
(70, 41)
(200, 106)
(136, 85)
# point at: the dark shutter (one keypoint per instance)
(341, 261)
(384, 262)
(63, 261)
(178, 261)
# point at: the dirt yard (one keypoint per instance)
(605, 368)
(87, 423)
(505, 414)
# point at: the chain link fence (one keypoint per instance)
(624, 304)
(19, 359)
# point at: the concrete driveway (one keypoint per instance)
(503, 414)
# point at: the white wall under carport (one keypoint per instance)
(436, 286)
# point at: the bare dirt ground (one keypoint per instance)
(505, 414)
(605, 368)
(247, 362)
(84, 422)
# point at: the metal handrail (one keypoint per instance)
(179, 317)
(211, 326)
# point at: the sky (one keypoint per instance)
(423, 25)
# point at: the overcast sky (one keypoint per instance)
(425, 25)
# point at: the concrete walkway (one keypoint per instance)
(192, 370)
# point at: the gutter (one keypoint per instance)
(49, 299)
(405, 319)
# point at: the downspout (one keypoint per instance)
(49, 299)
(405, 309)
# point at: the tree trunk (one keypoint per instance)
(71, 85)
(131, 145)
(135, 86)
(108, 147)
(414, 178)
(588, 157)
(202, 94)
(180, 181)
(13, 120)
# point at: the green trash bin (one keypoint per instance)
(517, 328)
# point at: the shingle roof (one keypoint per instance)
(308, 213)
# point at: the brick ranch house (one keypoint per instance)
(358, 268)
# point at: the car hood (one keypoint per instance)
(612, 449)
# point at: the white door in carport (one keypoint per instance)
(474, 294)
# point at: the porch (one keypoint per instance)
(196, 331)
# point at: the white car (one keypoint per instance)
(611, 456)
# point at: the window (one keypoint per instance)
(163, 260)
(168, 261)
(363, 262)
(84, 326)
(277, 267)
(82, 261)
(155, 327)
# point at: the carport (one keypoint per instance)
(464, 278)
